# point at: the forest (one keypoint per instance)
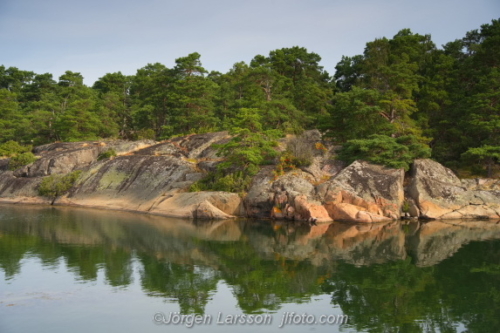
(403, 98)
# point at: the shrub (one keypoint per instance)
(107, 154)
(13, 148)
(21, 160)
(406, 207)
(288, 162)
(299, 153)
(301, 150)
(56, 185)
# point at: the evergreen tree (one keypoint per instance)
(356, 114)
(193, 96)
(10, 116)
(114, 93)
(309, 88)
(151, 100)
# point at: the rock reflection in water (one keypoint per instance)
(183, 241)
(431, 242)
(370, 270)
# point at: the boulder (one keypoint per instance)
(440, 194)
(199, 205)
(310, 211)
(60, 162)
(131, 182)
(364, 192)
(294, 196)
(148, 176)
(259, 201)
(145, 177)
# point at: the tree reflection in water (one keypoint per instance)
(393, 277)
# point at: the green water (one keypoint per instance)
(75, 270)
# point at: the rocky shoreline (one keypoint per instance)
(154, 178)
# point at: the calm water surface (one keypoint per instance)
(75, 270)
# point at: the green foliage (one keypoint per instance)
(295, 73)
(12, 148)
(19, 155)
(243, 155)
(484, 154)
(106, 154)
(56, 185)
(10, 118)
(381, 149)
(356, 114)
(399, 86)
(145, 134)
(406, 207)
(471, 116)
(20, 160)
(288, 162)
(248, 150)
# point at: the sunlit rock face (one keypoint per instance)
(361, 192)
(155, 177)
(439, 194)
(364, 192)
(145, 176)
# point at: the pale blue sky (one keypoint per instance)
(95, 37)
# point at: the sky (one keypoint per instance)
(95, 37)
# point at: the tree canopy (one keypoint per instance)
(447, 98)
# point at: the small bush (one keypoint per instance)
(301, 150)
(406, 207)
(13, 148)
(56, 185)
(107, 154)
(287, 162)
(21, 160)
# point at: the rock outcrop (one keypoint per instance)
(152, 177)
(361, 192)
(64, 157)
(20, 189)
(145, 177)
(440, 194)
(364, 192)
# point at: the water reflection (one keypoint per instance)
(406, 277)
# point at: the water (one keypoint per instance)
(75, 270)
